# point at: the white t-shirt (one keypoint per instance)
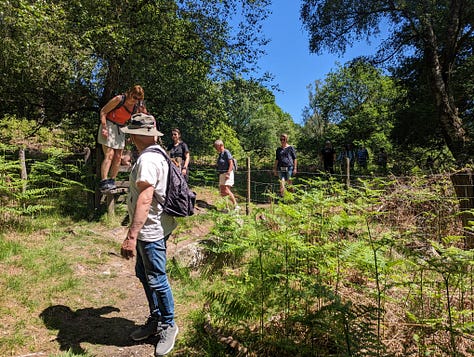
(152, 168)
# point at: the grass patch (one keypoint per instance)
(44, 266)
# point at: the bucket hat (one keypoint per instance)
(142, 124)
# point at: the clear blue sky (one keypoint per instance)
(289, 60)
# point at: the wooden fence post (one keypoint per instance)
(97, 177)
(464, 188)
(110, 202)
(348, 172)
(24, 172)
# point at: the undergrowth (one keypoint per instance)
(376, 269)
(339, 272)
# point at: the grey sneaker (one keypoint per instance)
(167, 339)
(152, 327)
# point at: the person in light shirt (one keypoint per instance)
(149, 230)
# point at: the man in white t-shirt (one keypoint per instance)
(149, 230)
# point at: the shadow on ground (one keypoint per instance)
(89, 326)
(204, 204)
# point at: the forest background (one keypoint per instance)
(62, 61)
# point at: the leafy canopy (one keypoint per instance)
(438, 33)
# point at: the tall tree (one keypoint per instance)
(357, 97)
(65, 59)
(414, 127)
(256, 118)
(40, 60)
(440, 32)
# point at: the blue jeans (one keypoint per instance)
(150, 269)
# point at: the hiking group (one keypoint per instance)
(158, 192)
(349, 157)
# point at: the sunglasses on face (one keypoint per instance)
(136, 98)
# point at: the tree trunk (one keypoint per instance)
(110, 89)
(111, 83)
(454, 134)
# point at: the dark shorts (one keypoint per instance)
(285, 173)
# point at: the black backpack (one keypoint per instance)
(179, 200)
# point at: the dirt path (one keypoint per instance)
(103, 329)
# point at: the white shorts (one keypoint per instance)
(115, 139)
(226, 181)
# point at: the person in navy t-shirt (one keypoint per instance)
(285, 166)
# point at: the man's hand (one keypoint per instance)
(142, 207)
(128, 248)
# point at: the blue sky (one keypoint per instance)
(289, 60)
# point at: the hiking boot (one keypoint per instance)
(152, 327)
(167, 339)
(107, 185)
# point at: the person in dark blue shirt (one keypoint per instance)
(328, 157)
(179, 152)
(362, 158)
(285, 166)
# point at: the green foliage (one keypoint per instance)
(227, 134)
(223, 247)
(355, 104)
(429, 41)
(264, 130)
(339, 268)
(52, 184)
(35, 267)
(21, 132)
(62, 62)
(36, 58)
(255, 117)
(9, 249)
(328, 266)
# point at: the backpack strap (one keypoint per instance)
(158, 150)
(122, 102)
